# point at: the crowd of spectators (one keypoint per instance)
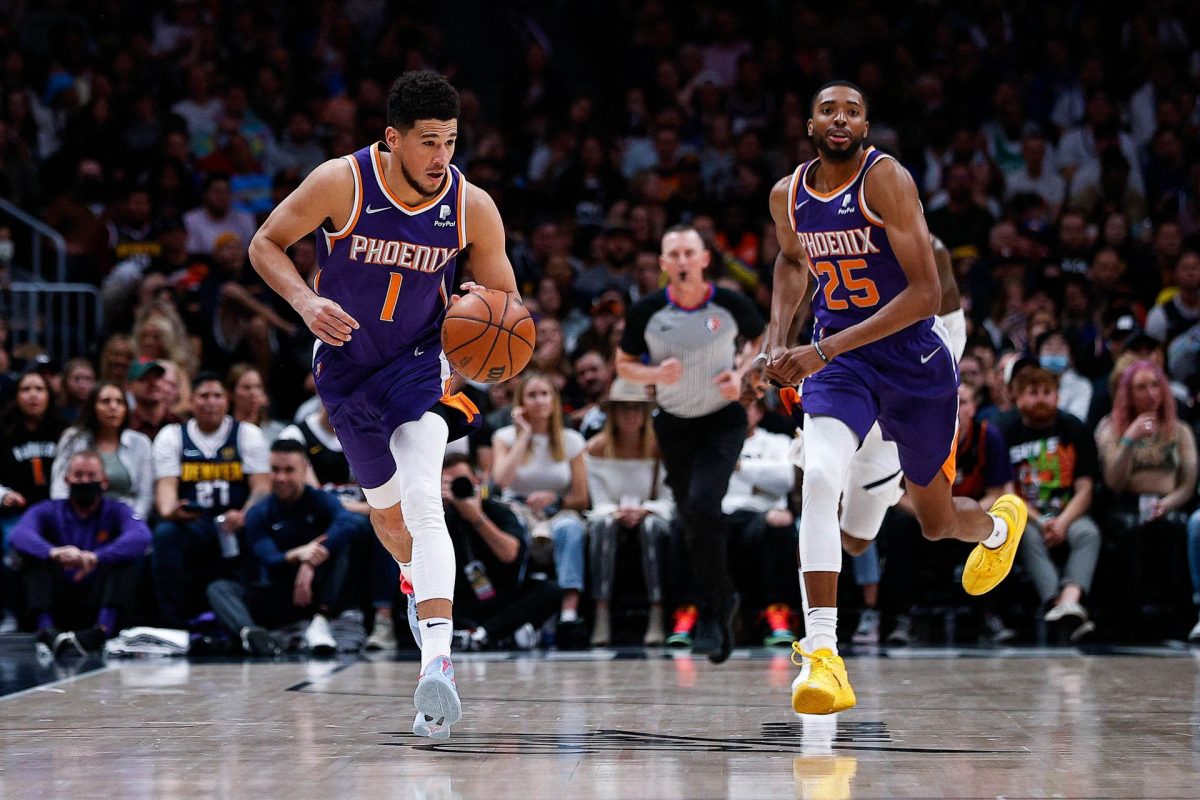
(1055, 148)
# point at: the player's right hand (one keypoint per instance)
(670, 371)
(327, 321)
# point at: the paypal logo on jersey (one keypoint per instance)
(846, 207)
(441, 221)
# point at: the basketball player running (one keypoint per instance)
(393, 219)
(853, 218)
(874, 478)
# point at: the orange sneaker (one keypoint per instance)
(685, 623)
(779, 622)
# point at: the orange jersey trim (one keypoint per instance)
(317, 282)
(377, 161)
(358, 204)
(462, 211)
(460, 402)
(840, 189)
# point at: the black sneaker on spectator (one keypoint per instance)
(995, 631)
(318, 637)
(901, 635)
(707, 636)
(1194, 636)
(726, 617)
(572, 635)
(258, 641)
(89, 641)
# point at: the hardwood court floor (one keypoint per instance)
(1035, 723)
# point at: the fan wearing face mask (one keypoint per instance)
(1074, 391)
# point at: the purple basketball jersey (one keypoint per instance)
(392, 266)
(856, 271)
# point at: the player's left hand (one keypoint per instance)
(794, 365)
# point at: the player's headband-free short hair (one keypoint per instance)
(288, 446)
(848, 84)
(420, 94)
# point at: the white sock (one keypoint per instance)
(821, 624)
(805, 641)
(999, 533)
(436, 633)
(405, 570)
(568, 615)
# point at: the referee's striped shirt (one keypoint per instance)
(704, 338)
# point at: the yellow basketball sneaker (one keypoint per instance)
(826, 688)
(987, 567)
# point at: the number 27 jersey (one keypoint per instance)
(855, 268)
(392, 266)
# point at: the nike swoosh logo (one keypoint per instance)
(435, 624)
(925, 359)
(418, 351)
(801, 205)
(370, 210)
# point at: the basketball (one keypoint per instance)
(487, 337)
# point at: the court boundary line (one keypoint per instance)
(41, 687)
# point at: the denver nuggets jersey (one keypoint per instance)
(852, 260)
(392, 266)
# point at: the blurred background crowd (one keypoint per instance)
(1055, 148)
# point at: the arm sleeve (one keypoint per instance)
(996, 467)
(633, 339)
(132, 541)
(168, 450)
(253, 447)
(26, 537)
(258, 536)
(749, 321)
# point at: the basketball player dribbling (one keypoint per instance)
(392, 219)
(853, 218)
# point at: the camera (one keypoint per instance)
(462, 488)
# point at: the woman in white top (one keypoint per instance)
(625, 477)
(127, 455)
(539, 468)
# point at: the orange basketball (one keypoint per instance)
(487, 336)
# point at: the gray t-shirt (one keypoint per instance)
(703, 338)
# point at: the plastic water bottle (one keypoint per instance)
(228, 538)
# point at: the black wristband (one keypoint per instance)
(820, 352)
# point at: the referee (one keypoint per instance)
(683, 339)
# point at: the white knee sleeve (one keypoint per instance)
(419, 448)
(829, 444)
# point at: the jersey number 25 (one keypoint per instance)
(861, 291)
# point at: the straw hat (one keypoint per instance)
(624, 391)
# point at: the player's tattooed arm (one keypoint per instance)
(490, 267)
(326, 194)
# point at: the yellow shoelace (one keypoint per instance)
(797, 650)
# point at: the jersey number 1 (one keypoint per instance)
(393, 294)
(861, 291)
